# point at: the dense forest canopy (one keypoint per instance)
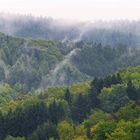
(104, 108)
(40, 63)
(69, 82)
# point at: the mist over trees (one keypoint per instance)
(112, 33)
(69, 81)
(40, 63)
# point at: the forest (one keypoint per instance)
(105, 108)
(53, 87)
(111, 33)
(40, 63)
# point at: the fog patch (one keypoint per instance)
(57, 75)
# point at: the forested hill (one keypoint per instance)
(106, 108)
(107, 33)
(39, 63)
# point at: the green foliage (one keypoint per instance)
(104, 108)
(129, 112)
(131, 91)
(113, 98)
(7, 94)
(58, 111)
(14, 138)
(80, 108)
(80, 133)
(68, 97)
(93, 119)
(102, 129)
(38, 63)
(65, 131)
(98, 60)
(23, 121)
(123, 131)
(136, 132)
(44, 132)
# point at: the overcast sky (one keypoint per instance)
(75, 9)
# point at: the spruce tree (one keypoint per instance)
(131, 91)
(80, 109)
(68, 97)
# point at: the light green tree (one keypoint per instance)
(65, 131)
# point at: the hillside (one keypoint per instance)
(105, 108)
(69, 70)
(40, 63)
(35, 63)
(111, 33)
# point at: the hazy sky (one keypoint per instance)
(75, 9)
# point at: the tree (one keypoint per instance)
(80, 133)
(3, 126)
(102, 129)
(34, 115)
(93, 99)
(24, 120)
(68, 97)
(108, 80)
(44, 132)
(97, 85)
(111, 99)
(129, 112)
(112, 79)
(80, 108)
(136, 133)
(131, 91)
(119, 134)
(93, 119)
(14, 138)
(57, 111)
(119, 79)
(53, 112)
(123, 131)
(65, 131)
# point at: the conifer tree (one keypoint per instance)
(131, 91)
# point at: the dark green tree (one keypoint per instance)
(44, 132)
(68, 97)
(97, 85)
(112, 79)
(3, 127)
(131, 91)
(56, 112)
(108, 80)
(22, 122)
(119, 79)
(93, 99)
(80, 109)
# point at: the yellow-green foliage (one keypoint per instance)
(14, 138)
(67, 131)
(123, 131)
(80, 87)
(132, 73)
(57, 92)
